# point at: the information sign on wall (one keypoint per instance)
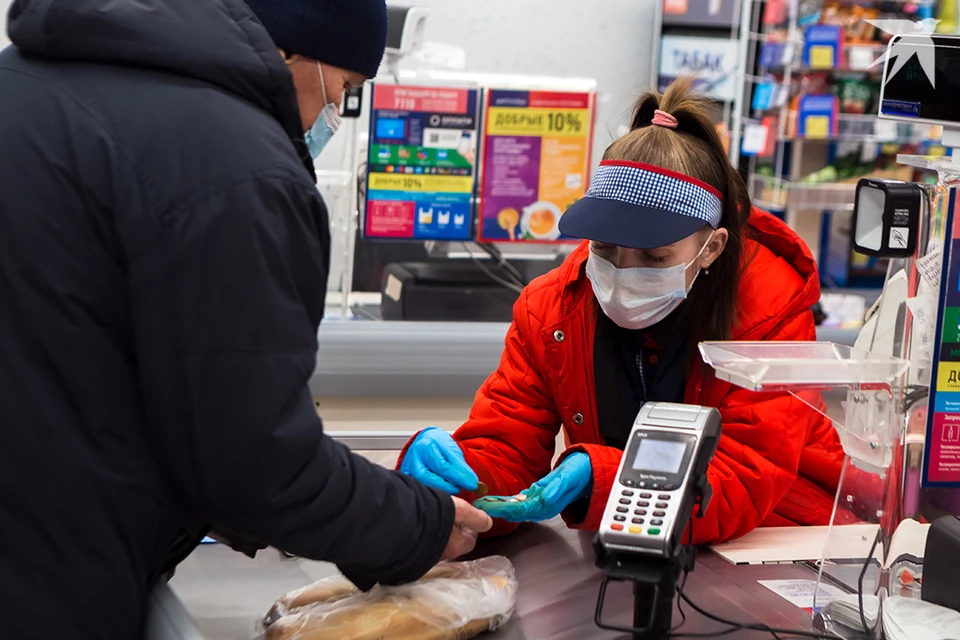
(942, 451)
(536, 152)
(712, 61)
(421, 169)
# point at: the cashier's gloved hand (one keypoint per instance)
(435, 459)
(546, 498)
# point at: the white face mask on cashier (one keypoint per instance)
(639, 297)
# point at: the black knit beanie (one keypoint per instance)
(350, 34)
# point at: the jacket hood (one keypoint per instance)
(216, 41)
(779, 276)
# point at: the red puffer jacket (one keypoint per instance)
(778, 462)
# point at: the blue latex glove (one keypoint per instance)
(546, 498)
(435, 459)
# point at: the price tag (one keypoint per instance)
(930, 267)
(817, 127)
(788, 51)
(763, 96)
(821, 56)
(754, 139)
(783, 94)
(860, 58)
(886, 130)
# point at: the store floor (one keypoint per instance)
(226, 592)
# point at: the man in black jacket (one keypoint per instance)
(163, 261)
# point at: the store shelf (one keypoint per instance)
(769, 37)
(764, 205)
(799, 196)
(871, 128)
(370, 359)
(821, 197)
(858, 144)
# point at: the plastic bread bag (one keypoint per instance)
(453, 601)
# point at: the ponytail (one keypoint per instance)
(694, 148)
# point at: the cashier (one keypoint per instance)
(674, 255)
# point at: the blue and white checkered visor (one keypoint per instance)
(630, 204)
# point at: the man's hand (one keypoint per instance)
(467, 523)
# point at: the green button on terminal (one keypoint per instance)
(653, 532)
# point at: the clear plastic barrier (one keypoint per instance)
(795, 366)
(865, 550)
(945, 165)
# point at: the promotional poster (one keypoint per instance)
(421, 169)
(536, 161)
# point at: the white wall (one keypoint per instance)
(4, 7)
(610, 41)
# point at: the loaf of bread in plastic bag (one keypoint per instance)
(454, 601)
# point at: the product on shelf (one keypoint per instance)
(818, 116)
(852, 19)
(857, 96)
(809, 12)
(850, 168)
(822, 46)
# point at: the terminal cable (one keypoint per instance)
(513, 286)
(775, 632)
(494, 252)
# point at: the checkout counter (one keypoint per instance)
(226, 593)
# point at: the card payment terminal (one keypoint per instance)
(663, 467)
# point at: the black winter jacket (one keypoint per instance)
(163, 263)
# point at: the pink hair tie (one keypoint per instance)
(664, 119)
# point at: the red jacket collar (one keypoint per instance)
(779, 275)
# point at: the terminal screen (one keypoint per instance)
(659, 456)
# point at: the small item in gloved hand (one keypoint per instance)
(482, 490)
(517, 498)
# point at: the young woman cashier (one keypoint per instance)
(671, 260)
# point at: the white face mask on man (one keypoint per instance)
(639, 297)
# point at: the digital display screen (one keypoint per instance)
(659, 456)
(922, 78)
(391, 128)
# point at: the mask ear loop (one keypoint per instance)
(697, 257)
(323, 86)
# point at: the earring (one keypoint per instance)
(706, 272)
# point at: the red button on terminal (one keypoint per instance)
(617, 527)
